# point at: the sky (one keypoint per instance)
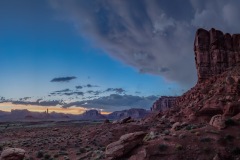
(102, 54)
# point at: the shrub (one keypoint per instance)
(229, 122)
(82, 150)
(205, 139)
(207, 150)
(40, 154)
(47, 156)
(235, 151)
(55, 155)
(229, 137)
(179, 147)
(163, 147)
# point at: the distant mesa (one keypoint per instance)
(215, 52)
(92, 115)
(163, 103)
(135, 113)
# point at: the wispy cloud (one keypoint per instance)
(90, 86)
(63, 79)
(116, 90)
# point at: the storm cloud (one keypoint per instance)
(154, 36)
(63, 79)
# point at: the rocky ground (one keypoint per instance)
(63, 140)
(155, 137)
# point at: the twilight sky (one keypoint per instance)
(104, 54)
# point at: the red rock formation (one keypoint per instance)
(215, 52)
(163, 103)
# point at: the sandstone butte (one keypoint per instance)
(202, 124)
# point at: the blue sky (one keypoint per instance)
(143, 48)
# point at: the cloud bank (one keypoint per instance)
(115, 102)
(153, 36)
(108, 103)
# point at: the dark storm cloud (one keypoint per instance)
(116, 90)
(151, 35)
(115, 101)
(63, 79)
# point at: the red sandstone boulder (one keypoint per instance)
(218, 121)
(13, 154)
(124, 145)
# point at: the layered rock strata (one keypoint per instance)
(215, 52)
(163, 103)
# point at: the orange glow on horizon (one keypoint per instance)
(8, 106)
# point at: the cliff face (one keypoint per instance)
(163, 103)
(217, 58)
(215, 52)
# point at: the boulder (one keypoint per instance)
(125, 120)
(236, 117)
(218, 121)
(176, 126)
(124, 145)
(13, 154)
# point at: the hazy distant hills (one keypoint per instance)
(88, 115)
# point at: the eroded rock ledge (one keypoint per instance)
(215, 52)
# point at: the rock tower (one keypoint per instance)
(215, 52)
